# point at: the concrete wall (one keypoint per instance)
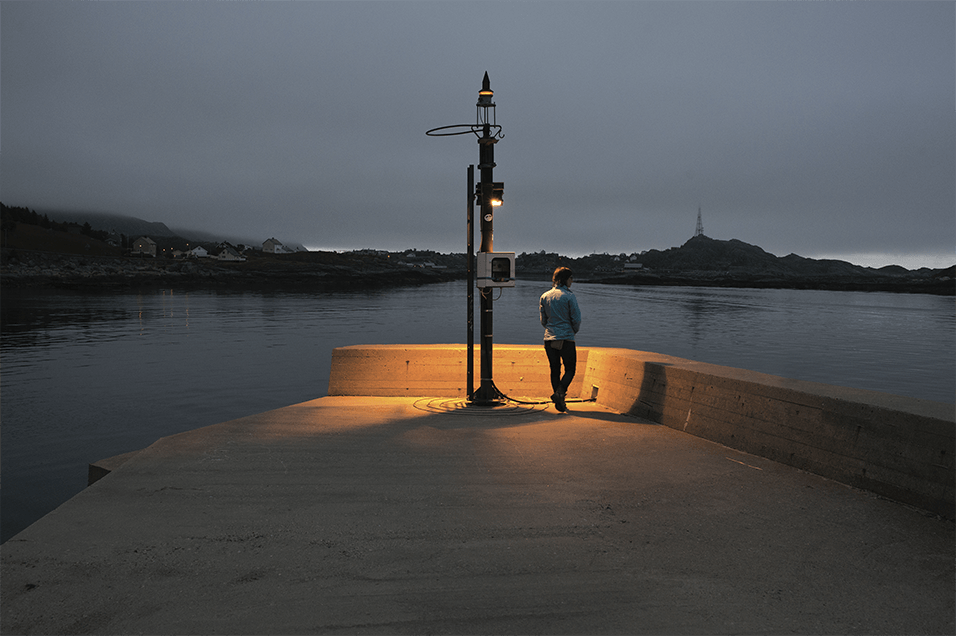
(901, 448)
(519, 371)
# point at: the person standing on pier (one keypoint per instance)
(561, 319)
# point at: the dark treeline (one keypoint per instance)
(10, 216)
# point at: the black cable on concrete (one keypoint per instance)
(463, 407)
(511, 399)
(457, 406)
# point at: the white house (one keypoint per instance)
(144, 245)
(272, 246)
(197, 252)
(229, 253)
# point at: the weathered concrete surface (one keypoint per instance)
(369, 515)
(896, 446)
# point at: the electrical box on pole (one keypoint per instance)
(495, 269)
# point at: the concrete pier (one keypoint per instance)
(895, 446)
(358, 514)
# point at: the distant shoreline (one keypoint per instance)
(23, 268)
(902, 285)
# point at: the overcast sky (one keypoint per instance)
(821, 129)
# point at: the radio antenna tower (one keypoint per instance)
(700, 224)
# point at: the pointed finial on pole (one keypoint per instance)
(485, 94)
(484, 99)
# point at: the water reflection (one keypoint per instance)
(36, 318)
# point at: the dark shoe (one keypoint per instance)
(558, 399)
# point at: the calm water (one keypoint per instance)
(91, 375)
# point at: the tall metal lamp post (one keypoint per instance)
(494, 269)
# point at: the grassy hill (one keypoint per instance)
(22, 236)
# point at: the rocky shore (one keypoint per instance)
(21, 268)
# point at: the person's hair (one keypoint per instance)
(561, 276)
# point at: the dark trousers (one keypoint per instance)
(568, 355)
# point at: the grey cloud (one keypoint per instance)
(800, 127)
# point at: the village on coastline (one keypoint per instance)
(224, 251)
(38, 251)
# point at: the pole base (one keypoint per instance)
(487, 395)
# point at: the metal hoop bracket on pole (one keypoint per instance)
(475, 129)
